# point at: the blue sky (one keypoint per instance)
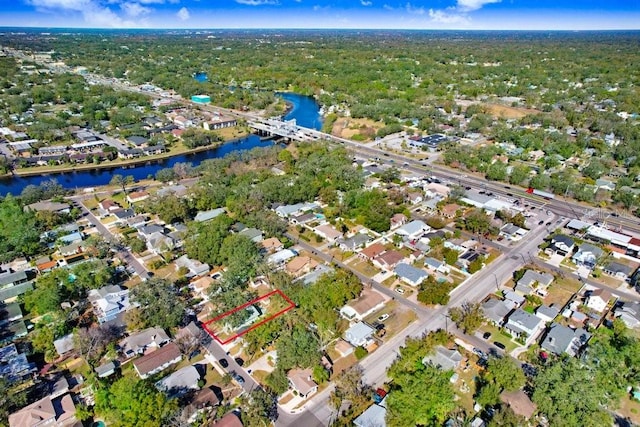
(392, 14)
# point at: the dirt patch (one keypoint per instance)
(502, 111)
(630, 409)
(346, 127)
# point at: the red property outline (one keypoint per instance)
(262, 322)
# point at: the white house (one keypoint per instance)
(413, 229)
(598, 300)
(301, 380)
(524, 325)
(359, 334)
(587, 255)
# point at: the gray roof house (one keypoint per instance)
(204, 216)
(180, 382)
(444, 358)
(496, 310)
(358, 334)
(526, 284)
(108, 302)
(195, 267)
(524, 325)
(618, 270)
(562, 339)
(374, 416)
(252, 234)
(139, 342)
(64, 345)
(513, 299)
(410, 274)
(158, 243)
(12, 279)
(413, 229)
(547, 313)
(587, 255)
(106, 369)
(629, 313)
(357, 241)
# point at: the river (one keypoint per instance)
(304, 109)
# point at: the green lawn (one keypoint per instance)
(497, 335)
(364, 267)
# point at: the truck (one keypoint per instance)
(546, 195)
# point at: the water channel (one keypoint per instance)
(302, 108)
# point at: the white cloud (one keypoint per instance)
(365, 3)
(61, 4)
(442, 17)
(387, 7)
(134, 9)
(183, 14)
(258, 2)
(415, 10)
(471, 5)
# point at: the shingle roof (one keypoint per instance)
(410, 273)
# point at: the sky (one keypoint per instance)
(345, 14)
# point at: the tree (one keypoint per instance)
(122, 181)
(19, 230)
(159, 303)
(468, 317)
(240, 254)
(133, 402)
(204, 241)
(565, 393)
(277, 381)
(91, 342)
(450, 255)
(505, 373)
(434, 292)
(519, 174)
(259, 408)
(505, 417)
(476, 265)
(299, 348)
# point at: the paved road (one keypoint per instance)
(215, 349)
(125, 254)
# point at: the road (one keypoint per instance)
(104, 231)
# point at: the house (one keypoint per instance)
(374, 416)
(315, 275)
(147, 230)
(138, 141)
(107, 206)
(605, 184)
(618, 270)
(194, 267)
(519, 403)
(67, 239)
(328, 232)
(122, 215)
(177, 190)
(14, 366)
(271, 245)
(301, 381)
(359, 334)
(496, 311)
(512, 232)
(371, 252)
(58, 412)
(343, 348)
(64, 345)
(547, 313)
(279, 258)
(180, 382)
(450, 210)
(434, 189)
(533, 280)
(204, 216)
(587, 255)
(202, 400)
(388, 260)
(231, 419)
(9, 292)
(368, 302)
(598, 300)
(152, 150)
(285, 211)
(302, 219)
(629, 313)
(300, 265)
(129, 153)
(66, 251)
(413, 229)
(436, 265)
(563, 339)
(398, 220)
(158, 243)
(513, 299)
(108, 302)
(443, 358)
(106, 370)
(561, 245)
(524, 325)
(201, 286)
(410, 274)
(157, 361)
(414, 197)
(351, 244)
(252, 234)
(140, 342)
(49, 206)
(137, 196)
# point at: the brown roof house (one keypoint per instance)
(328, 233)
(519, 403)
(58, 412)
(449, 211)
(231, 419)
(359, 308)
(372, 251)
(388, 260)
(302, 382)
(157, 361)
(272, 245)
(301, 265)
(398, 220)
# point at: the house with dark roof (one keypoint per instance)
(618, 270)
(157, 361)
(138, 141)
(496, 311)
(563, 339)
(533, 281)
(351, 244)
(561, 245)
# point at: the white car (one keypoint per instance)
(400, 291)
(383, 317)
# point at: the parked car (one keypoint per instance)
(486, 335)
(499, 345)
(237, 377)
(400, 290)
(223, 363)
(239, 361)
(383, 317)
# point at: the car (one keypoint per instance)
(237, 377)
(405, 164)
(383, 317)
(400, 291)
(509, 194)
(499, 345)
(549, 223)
(239, 361)
(540, 222)
(379, 326)
(223, 363)
(486, 335)
(478, 352)
(481, 192)
(467, 188)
